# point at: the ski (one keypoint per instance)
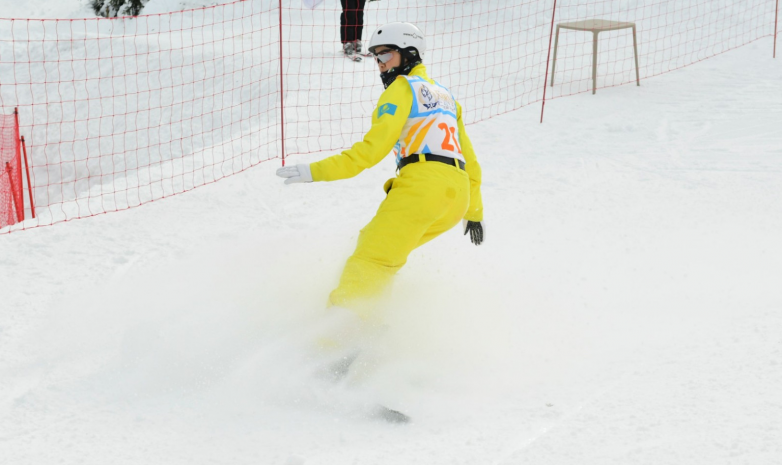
(384, 413)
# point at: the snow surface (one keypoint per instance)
(626, 308)
(63, 9)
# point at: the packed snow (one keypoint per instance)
(625, 309)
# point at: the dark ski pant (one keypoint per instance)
(351, 20)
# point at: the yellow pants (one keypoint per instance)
(425, 200)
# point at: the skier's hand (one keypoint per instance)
(476, 230)
(296, 173)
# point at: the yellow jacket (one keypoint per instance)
(383, 136)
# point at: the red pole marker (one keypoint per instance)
(29, 184)
(548, 58)
(26, 166)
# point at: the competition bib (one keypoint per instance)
(431, 126)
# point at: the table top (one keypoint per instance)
(596, 25)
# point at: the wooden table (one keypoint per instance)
(596, 26)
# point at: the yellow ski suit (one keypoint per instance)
(424, 200)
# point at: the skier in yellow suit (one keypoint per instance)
(439, 178)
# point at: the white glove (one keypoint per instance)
(476, 229)
(294, 174)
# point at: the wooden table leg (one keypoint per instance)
(594, 62)
(554, 61)
(635, 50)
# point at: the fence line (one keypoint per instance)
(121, 112)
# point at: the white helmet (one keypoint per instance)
(400, 35)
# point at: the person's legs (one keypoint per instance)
(426, 200)
(359, 30)
(451, 216)
(351, 20)
(343, 21)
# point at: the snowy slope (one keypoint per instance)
(626, 308)
(81, 8)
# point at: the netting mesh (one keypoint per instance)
(118, 113)
(121, 112)
(11, 206)
(670, 35)
(491, 55)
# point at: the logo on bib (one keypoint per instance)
(427, 98)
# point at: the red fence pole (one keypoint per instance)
(19, 201)
(29, 184)
(26, 166)
(282, 95)
(545, 80)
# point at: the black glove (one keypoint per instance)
(475, 228)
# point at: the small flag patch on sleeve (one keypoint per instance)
(386, 108)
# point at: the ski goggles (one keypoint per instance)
(383, 57)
